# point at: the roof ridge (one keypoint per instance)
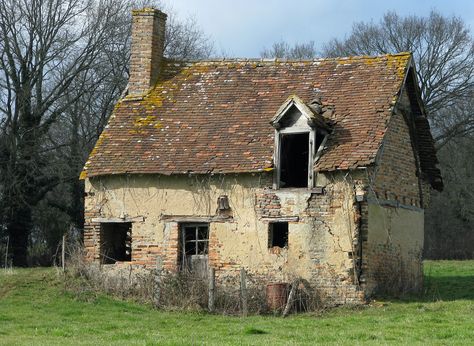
(285, 60)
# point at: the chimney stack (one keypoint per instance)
(148, 38)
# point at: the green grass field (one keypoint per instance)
(36, 310)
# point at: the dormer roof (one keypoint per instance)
(314, 117)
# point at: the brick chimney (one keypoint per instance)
(148, 36)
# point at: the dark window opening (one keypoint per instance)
(294, 156)
(194, 246)
(278, 234)
(116, 242)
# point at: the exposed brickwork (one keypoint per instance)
(425, 144)
(319, 206)
(92, 235)
(386, 264)
(336, 286)
(390, 272)
(336, 226)
(268, 204)
(145, 251)
(327, 210)
(396, 173)
(169, 250)
(148, 33)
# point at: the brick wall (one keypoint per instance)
(390, 271)
(148, 33)
(91, 234)
(391, 245)
(318, 251)
(267, 204)
(147, 252)
(396, 176)
(339, 284)
(333, 257)
(324, 238)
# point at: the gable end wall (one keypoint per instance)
(395, 176)
(395, 217)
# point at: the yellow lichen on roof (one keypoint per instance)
(169, 129)
(94, 151)
(99, 142)
(164, 90)
(141, 123)
(399, 62)
(83, 175)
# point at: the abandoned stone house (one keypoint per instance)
(316, 169)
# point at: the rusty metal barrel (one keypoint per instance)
(277, 294)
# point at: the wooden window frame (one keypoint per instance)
(311, 154)
(196, 226)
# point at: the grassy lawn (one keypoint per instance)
(35, 310)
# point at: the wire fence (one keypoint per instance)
(235, 293)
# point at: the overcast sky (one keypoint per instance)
(241, 28)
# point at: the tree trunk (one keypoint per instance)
(18, 229)
(77, 186)
(21, 182)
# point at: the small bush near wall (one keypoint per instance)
(394, 278)
(173, 291)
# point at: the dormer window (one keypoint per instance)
(299, 132)
(294, 159)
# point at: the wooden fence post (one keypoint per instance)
(63, 253)
(212, 290)
(6, 252)
(243, 291)
(291, 297)
(157, 288)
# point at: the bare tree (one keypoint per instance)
(63, 65)
(184, 40)
(283, 50)
(444, 52)
(44, 46)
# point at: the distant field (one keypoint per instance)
(35, 310)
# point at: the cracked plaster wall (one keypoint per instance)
(322, 226)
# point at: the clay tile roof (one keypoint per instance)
(214, 116)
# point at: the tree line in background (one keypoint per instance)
(64, 64)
